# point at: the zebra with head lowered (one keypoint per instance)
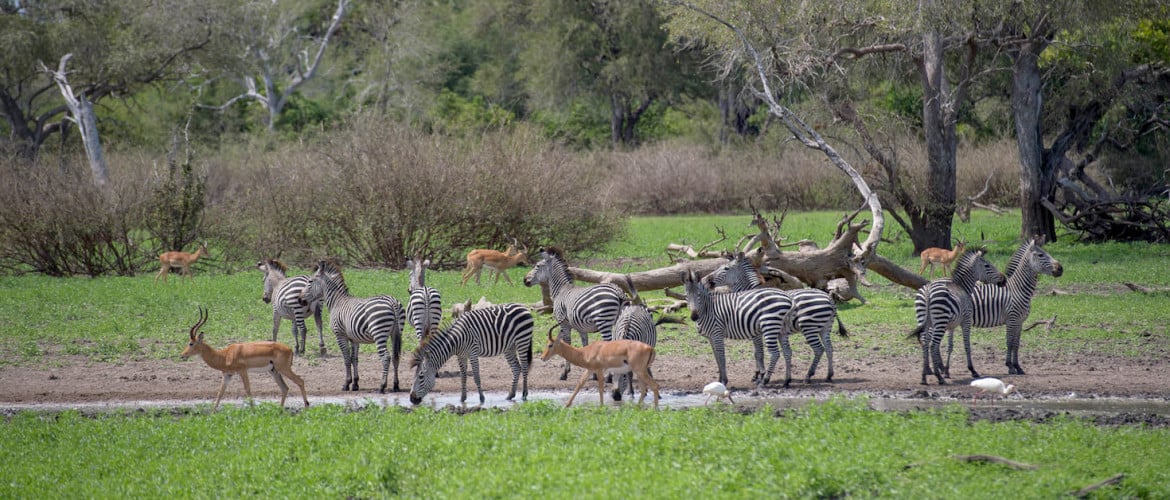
(284, 295)
(757, 315)
(425, 307)
(1011, 304)
(492, 331)
(355, 321)
(585, 309)
(812, 313)
(636, 322)
(944, 304)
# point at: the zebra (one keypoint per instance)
(284, 295)
(585, 309)
(813, 310)
(636, 322)
(425, 307)
(944, 304)
(356, 321)
(1010, 304)
(502, 329)
(757, 315)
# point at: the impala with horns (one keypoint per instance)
(237, 359)
(181, 260)
(494, 260)
(613, 357)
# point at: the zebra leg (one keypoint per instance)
(772, 342)
(720, 359)
(514, 363)
(299, 333)
(1013, 345)
(343, 346)
(936, 356)
(946, 367)
(478, 385)
(566, 337)
(276, 325)
(397, 341)
(817, 352)
(784, 346)
(462, 380)
(827, 341)
(967, 347)
(320, 333)
(619, 385)
(758, 348)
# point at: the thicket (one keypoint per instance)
(374, 192)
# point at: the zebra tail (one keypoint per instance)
(841, 328)
(916, 334)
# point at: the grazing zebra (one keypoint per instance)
(356, 321)
(943, 304)
(503, 329)
(585, 309)
(757, 315)
(284, 295)
(425, 307)
(1010, 305)
(813, 310)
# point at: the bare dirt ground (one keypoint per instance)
(859, 371)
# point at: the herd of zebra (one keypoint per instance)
(729, 303)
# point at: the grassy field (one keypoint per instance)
(833, 449)
(825, 450)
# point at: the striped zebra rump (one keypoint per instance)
(634, 323)
(813, 313)
(424, 309)
(500, 330)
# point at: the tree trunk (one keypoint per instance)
(1026, 104)
(932, 225)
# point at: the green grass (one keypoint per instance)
(113, 318)
(538, 449)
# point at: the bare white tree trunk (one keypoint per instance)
(81, 113)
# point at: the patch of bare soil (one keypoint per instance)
(1078, 375)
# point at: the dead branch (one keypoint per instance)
(1084, 492)
(1048, 324)
(704, 252)
(1137, 288)
(995, 460)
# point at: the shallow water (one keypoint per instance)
(676, 400)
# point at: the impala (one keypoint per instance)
(239, 358)
(935, 255)
(181, 260)
(614, 357)
(495, 260)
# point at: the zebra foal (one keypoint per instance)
(585, 309)
(356, 320)
(492, 331)
(284, 294)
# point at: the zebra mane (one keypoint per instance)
(426, 340)
(278, 265)
(555, 253)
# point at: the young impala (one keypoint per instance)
(941, 256)
(181, 260)
(615, 357)
(494, 260)
(239, 358)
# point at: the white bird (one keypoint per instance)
(991, 386)
(718, 390)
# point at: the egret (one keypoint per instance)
(718, 390)
(991, 386)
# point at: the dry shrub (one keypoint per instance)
(55, 221)
(379, 192)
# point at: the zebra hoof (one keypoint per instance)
(617, 394)
(565, 376)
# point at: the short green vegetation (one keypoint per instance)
(538, 449)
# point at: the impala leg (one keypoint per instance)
(279, 382)
(247, 385)
(584, 377)
(600, 386)
(288, 373)
(222, 385)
